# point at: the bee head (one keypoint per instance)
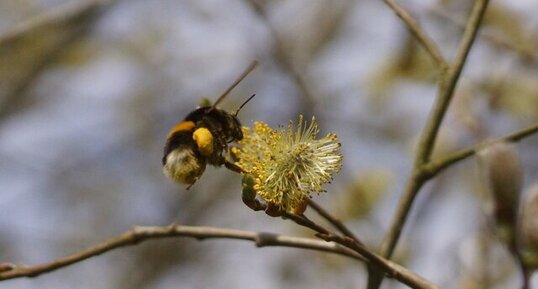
(233, 127)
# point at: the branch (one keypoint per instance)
(302, 220)
(435, 167)
(141, 234)
(57, 15)
(446, 89)
(391, 269)
(525, 53)
(429, 135)
(335, 222)
(383, 265)
(419, 34)
(64, 25)
(284, 60)
(399, 273)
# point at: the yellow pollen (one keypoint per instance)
(204, 141)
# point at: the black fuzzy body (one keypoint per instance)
(224, 127)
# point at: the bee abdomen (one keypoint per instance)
(182, 161)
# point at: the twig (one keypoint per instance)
(74, 20)
(434, 167)
(446, 89)
(141, 234)
(331, 219)
(429, 135)
(60, 14)
(386, 266)
(419, 34)
(401, 274)
(526, 53)
(306, 222)
(284, 60)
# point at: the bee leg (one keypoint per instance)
(221, 159)
(189, 186)
(233, 167)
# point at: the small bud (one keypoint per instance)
(502, 175)
(528, 228)
(248, 193)
(247, 181)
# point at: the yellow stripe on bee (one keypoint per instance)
(182, 126)
(204, 141)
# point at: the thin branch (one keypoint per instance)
(413, 185)
(526, 53)
(141, 234)
(446, 89)
(69, 22)
(419, 34)
(302, 220)
(331, 219)
(401, 274)
(434, 167)
(60, 14)
(386, 266)
(429, 135)
(284, 60)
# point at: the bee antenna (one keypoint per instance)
(245, 102)
(236, 82)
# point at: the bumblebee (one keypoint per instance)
(202, 138)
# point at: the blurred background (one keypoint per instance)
(89, 89)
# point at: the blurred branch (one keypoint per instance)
(285, 61)
(331, 219)
(434, 167)
(58, 15)
(447, 86)
(419, 176)
(32, 45)
(399, 273)
(389, 268)
(429, 134)
(349, 240)
(419, 34)
(140, 234)
(524, 52)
